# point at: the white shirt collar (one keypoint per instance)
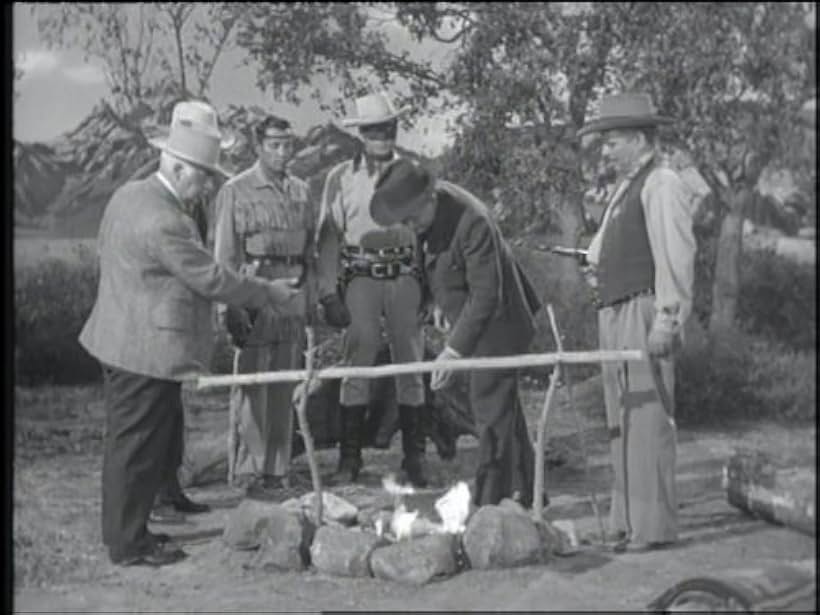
(164, 181)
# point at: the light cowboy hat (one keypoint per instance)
(194, 136)
(624, 111)
(374, 108)
(400, 191)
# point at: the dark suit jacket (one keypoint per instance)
(475, 279)
(152, 315)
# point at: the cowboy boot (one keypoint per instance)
(387, 427)
(351, 419)
(414, 421)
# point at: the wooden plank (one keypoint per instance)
(476, 363)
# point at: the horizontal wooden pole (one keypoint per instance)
(380, 371)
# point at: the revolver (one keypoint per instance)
(576, 253)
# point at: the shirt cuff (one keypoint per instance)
(667, 319)
(453, 351)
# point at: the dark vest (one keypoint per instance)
(625, 264)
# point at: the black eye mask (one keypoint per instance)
(385, 130)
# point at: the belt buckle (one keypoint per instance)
(383, 271)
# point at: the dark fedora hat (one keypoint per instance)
(399, 191)
(624, 111)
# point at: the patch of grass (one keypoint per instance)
(56, 521)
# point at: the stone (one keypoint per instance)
(343, 551)
(285, 543)
(248, 524)
(557, 537)
(501, 537)
(416, 561)
(334, 509)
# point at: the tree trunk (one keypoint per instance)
(726, 286)
(570, 223)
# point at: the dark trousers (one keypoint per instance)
(170, 488)
(506, 459)
(143, 420)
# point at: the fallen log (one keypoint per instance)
(785, 496)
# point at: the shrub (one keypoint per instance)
(52, 300)
(777, 299)
(738, 375)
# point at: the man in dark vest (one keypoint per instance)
(486, 305)
(641, 262)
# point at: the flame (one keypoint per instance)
(454, 508)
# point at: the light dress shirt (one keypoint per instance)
(667, 207)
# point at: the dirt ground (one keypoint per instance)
(61, 566)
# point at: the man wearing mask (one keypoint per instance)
(150, 326)
(265, 224)
(379, 279)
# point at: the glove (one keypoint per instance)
(441, 378)
(662, 342)
(336, 313)
(237, 322)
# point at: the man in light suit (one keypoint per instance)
(150, 326)
(478, 287)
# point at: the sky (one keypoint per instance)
(59, 89)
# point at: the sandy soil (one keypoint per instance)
(63, 489)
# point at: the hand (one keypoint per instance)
(441, 378)
(590, 274)
(237, 323)
(440, 321)
(283, 290)
(336, 313)
(662, 342)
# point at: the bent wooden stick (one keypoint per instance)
(304, 427)
(578, 427)
(233, 427)
(379, 371)
(538, 482)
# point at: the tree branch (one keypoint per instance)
(228, 27)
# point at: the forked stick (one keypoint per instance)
(304, 427)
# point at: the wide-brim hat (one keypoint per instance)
(400, 191)
(194, 136)
(624, 111)
(374, 108)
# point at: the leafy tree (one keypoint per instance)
(299, 47)
(524, 75)
(153, 54)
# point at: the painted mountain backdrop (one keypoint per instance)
(62, 187)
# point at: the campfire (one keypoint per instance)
(453, 509)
